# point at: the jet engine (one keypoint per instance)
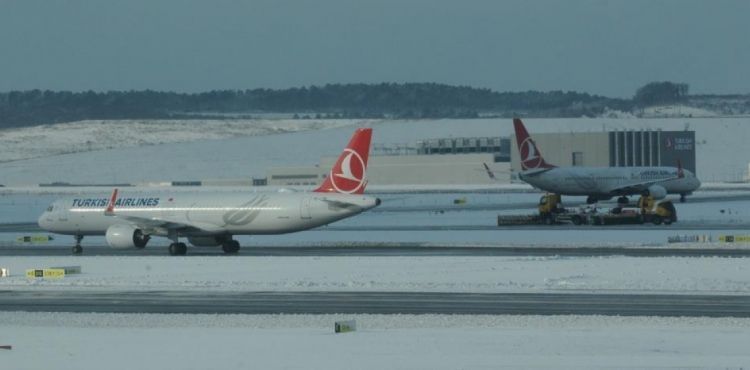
(126, 236)
(657, 191)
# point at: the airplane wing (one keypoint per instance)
(489, 172)
(634, 188)
(639, 187)
(153, 223)
(532, 172)
(159, 223)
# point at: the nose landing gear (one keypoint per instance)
(77, 249)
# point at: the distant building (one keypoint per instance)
(449, 161)
(459, 161)
(614, 149)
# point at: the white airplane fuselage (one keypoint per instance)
(209, 213)
(604, 182)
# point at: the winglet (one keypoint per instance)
(349, 173)
(530, 156)
(489, 171)
(680, 171)
(110, 211)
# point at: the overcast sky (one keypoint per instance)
(601, 47)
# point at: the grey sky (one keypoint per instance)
(602, 47)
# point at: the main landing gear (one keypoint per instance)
(230, 246)
(176, 248)
(77, 249)
(683, 198)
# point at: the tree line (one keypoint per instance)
(384, 100)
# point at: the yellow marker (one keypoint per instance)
(734, 238)
(33, 239)
(45, 273)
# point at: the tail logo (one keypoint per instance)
(350, 174)
(529, 154)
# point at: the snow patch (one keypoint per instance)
(95, 135)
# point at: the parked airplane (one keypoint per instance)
(599, 183)
(211, 219)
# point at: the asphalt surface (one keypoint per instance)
(394, 250)
(692, 226)
(679, 226)
(206, 302)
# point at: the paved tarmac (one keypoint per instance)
(679, 226)
(391, 250)
(208, 302)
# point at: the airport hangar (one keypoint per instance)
(459, 161)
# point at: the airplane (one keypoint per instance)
(212, 219)
(599, 183)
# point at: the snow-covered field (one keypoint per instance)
(429, 274)
(718, 140)
(87, 136)
(121, 341)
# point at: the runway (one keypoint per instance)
(392, 250)
(207, 302)
(683, 226)
(679, 226)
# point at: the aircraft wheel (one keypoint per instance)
(231, 246)
(682, 198)
(77, 249)
(177, 249)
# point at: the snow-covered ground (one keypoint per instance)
(88, 136)
(718, 140)
(122, 341)
(431, 274)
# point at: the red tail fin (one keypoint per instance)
(531, 158)
(349, 173)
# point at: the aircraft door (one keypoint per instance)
(304, 210)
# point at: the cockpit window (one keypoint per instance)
(50, 208)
